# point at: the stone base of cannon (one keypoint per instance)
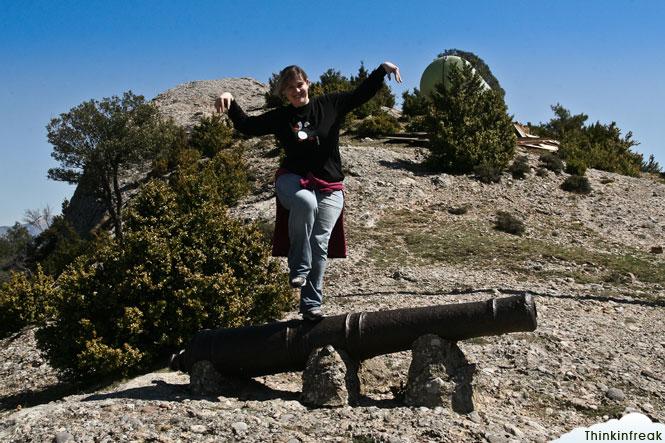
(330, 379)
(205, 380)
(439, 376)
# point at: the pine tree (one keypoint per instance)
(469, 127)
(99, 140)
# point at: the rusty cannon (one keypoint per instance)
(285, 346)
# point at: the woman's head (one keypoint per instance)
(293, 85)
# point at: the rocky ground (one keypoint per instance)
(598, 351)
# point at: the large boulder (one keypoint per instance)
(189, 102)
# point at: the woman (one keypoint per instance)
(309, 182)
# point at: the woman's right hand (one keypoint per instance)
(223, 102)
(391, 68)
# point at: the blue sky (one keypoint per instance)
(603, 58)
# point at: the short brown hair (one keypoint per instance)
(286, 75)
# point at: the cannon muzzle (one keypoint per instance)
(284, 346)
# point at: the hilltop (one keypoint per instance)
(587, 260)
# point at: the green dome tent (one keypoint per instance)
(438, 70)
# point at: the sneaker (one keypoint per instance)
(314, 314)
(298, 282)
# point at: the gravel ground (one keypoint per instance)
(598, 351)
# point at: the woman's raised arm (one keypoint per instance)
(368, 88)
(223, 102)
(392, 68)
(256, 125)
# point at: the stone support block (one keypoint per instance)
(330, 379)
(440, 375)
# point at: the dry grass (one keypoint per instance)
(424, 237)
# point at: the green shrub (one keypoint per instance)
(577, 184)
(552, 162)
(414, 104)
(26, 300)
(417, 124)
(575, 167)
(222, 180)
(55, 248)
(520, 167)
(171, 155)
(598, 146)
(509, 223)
(329, 82)
(458, 210)
(14, 245)
(211, 136)
(184, 158)
(651, 166)
(468, 126)
(181, 268)
(160, 167)
(377, 125)
(14, 242)
(487, 173)
(541, 172)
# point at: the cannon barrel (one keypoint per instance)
(285, 346)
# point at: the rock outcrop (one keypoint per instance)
(187, 103)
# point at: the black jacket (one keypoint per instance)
(310, 133)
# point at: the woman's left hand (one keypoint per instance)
(392, 68)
